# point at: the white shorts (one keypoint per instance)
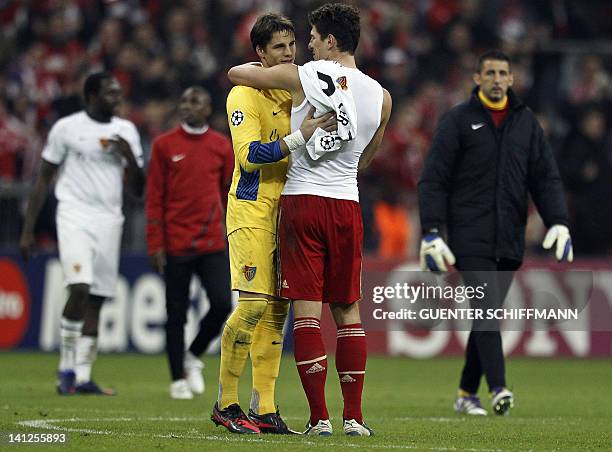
(90, 254)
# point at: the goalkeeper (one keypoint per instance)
(259, 121)
(488, 153)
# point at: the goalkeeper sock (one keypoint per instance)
(266, 352)
(70, 331)
(86, 351)
(235, 345)
(351, 355)
(311, 362)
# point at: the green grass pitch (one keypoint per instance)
(560, 405)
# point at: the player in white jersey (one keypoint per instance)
(320, 225)
(92, 149)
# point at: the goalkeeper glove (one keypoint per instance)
(560, 234)
(434, 252)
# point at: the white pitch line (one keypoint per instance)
(49, 424)
(432, 419)
(94, 410)
(464, 418)
(46, 424)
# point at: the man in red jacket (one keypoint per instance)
(189, 176)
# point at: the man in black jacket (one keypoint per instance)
(487, 155)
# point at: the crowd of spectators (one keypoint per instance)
(423, 51)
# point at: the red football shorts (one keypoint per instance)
(320, 249)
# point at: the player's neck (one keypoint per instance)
(344, 58)
(193, 129)
(97, 116)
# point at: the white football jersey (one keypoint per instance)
(334, 175)
(90, 182)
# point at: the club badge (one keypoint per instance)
(249, 272)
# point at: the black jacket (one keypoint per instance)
(477, 178)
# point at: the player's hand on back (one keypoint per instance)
(326, 122)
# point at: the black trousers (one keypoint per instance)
(484, 353)
(213, 272)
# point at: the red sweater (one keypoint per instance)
(498, 116)
(187, 184)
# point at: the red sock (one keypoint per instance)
(311, 362)
(351, 355)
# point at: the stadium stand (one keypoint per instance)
(424, 52)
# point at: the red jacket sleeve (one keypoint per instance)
(154, 201)
(228, 169)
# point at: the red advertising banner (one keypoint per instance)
(587, 284)
(14, 304)
(32, 297)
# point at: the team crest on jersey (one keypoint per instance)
(237, 117)
(76, 268)
(249, 272)
(342, 83)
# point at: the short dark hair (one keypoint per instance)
(93, 83)
(497, 55)
(198, 89)
(266, 26)
(339, 20)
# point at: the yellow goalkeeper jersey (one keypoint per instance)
(257, 120)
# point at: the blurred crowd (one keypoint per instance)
(422, 51)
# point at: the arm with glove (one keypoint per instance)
(546, 191)
(433, 189)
